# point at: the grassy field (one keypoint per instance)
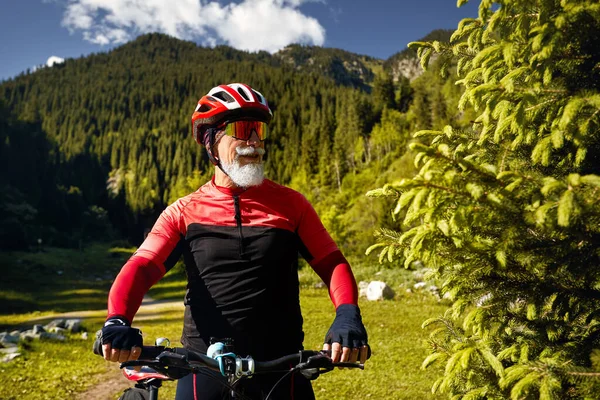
(52, 279)
(61, 370)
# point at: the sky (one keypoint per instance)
(43, 32)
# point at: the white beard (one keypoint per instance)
(245, 175)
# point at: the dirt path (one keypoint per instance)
(112, 381)
(147, 311)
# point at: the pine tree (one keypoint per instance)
(506, 214)
(383, 92)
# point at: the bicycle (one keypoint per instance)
(161, 363)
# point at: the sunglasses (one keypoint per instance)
(242, 130)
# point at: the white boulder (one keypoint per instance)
(379, 290)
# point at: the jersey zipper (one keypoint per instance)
(238, 221)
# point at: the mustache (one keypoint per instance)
(250, 151)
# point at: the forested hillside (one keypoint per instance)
(94, 148)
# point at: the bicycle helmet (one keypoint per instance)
(224, 104)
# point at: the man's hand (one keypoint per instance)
(120, 342)
(347, 338)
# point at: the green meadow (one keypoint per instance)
(39, 285)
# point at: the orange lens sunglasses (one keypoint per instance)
(242, 130)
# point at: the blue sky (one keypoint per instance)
(33, 31)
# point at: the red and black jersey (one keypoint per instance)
(240, 250)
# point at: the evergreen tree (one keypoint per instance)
(383, 92)
(505, 214)
(111, 132)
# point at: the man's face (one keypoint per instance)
(242, 159)
(245, 151)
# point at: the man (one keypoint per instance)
(240, 235)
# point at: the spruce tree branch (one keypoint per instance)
(531, 14)
(551, 100)
(506, 150)
(445, 189)
(559, 91)
(487, 178)
(593, 374)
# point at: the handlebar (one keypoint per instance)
(177, 362)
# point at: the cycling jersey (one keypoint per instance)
(240, 248)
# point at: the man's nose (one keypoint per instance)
(253, 140)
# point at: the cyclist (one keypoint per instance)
(239, 235)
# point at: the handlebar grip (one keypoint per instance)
(97, 347)
(148, 352)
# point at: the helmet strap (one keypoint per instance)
(212, 157)
(209, 143)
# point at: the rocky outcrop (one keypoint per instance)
(56, 330)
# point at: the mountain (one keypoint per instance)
(103, 142)
(352, 69)
(405, 63)
(344, 67)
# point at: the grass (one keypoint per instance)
(57, 280)
(59, 370)
(51, 370)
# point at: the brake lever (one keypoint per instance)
(155, 365)
(169, 358)
(321, 361)
(168, 363)
(172, 370)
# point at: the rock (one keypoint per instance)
(9, 357)
(28, 336)
(57, 323)
(362, 288)
(73, 325)
(52, 336)
(419, 285)
(56, 329)
(8, 339)
(37, 329)
(379, 290)
(435, 291)
(10, 350)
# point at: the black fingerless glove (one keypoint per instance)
(120, 335)
(347, 328)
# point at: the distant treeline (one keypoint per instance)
(96, 147)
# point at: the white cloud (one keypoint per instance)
(247, 25)
(54, 60)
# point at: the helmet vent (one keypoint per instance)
(260, 98)
(243, 94)
(224, 96)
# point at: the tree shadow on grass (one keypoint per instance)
(57, 279)
(72, 296)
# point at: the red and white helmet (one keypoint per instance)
(228, 103)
